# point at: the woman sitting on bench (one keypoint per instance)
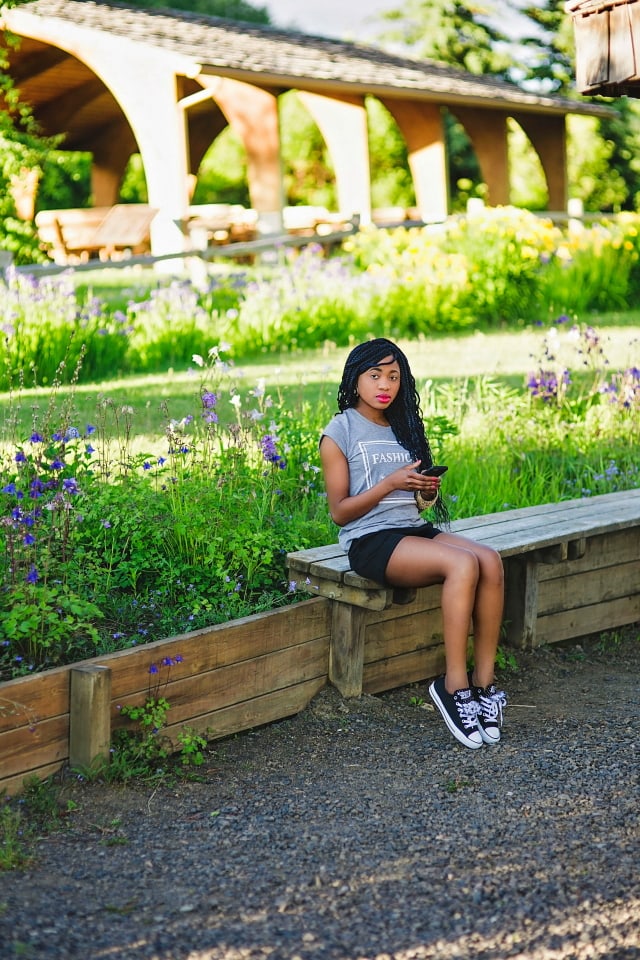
(379, 476)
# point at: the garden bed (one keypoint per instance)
(219, 681)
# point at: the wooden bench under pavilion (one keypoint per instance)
(79, 234)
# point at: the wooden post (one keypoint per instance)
(521, 601)
(346, 652)
(89, 715)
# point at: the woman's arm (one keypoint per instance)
(344, 508)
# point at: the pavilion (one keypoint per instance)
(118, 80)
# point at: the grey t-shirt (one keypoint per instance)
(372, 453)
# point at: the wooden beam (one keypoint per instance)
(59, 112)
(33, 65)
(346, 653)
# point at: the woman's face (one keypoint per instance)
(377, 388)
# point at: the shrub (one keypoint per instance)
(104, 547)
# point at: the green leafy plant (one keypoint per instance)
(141, 750)
(35, 810)
(192, 746)
(506, 660)
(609, 641)
(454, 785)
(13, 851)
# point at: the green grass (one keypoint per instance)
(193, 529)
(312, 376)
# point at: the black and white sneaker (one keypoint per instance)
(459, 711)
(491, 703)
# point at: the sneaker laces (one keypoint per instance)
(491, 704)
(468, 711)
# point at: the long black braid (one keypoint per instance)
(404, 414)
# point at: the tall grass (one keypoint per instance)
(109, 544)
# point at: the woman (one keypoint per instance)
(372, 455)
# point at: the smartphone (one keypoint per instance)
(434, 471)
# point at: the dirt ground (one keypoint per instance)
(361, 830)
(570, 682)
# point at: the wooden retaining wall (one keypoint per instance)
(596, 592)
(232, 677)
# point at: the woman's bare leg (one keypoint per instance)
(417, 562)
(472, 591)
(488, 608)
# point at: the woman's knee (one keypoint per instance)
(491, 566)
(466, 566)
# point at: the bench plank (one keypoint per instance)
(533, 528)
(374, 597)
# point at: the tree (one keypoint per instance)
(621, 134)
(461, 33)
(605, 171)
(23, 153)
(550, 47)
(228, 9)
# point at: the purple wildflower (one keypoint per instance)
(270, 452)
(36, 488)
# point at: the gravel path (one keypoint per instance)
(361, 829)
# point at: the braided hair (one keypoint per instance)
(404, 414)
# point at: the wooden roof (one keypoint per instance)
(284, 58)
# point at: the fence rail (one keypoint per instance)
(273, 243)
(231, 251)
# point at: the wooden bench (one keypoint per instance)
(67, 235)
(126, 227)
(571, 568)
(210, 224)
(78, 234)
(307, 221)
